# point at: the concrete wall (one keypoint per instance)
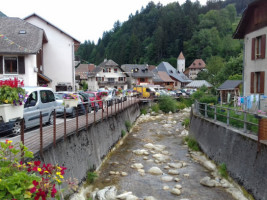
(85, 150)
(237, 150)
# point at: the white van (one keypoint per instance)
(39, 99)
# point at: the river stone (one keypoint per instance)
(137, 166)
(176, 191)
(160, 157)
(145, 158)
(184, 133)
(149, 198)
(123, 195)
(166, 178)
(178, 186)
(207, 181)
(124, 174)
(166, 167)
(186, 175)
(141, 152)
(173, 172)
(175, 165)
(176, 179)
(112, 173)
(167, 125)
(108, 193)
(155, 171)
(131, 197)
(165, 187)
(149, 146)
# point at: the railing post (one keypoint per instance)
(115, 108)
(65, 124)
(22, 138)
(41, 133)
(111, 108)
(121, 104)
(107, 106)
(94, 111)
(215, 113)
(206, 110)
(228, 116)
(77, 120)
(245, 121)
(54, 127)
(86, 114)
(103, 102)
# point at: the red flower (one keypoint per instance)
(11, 147)
(33, 190)
(53, 191)
(37, 163)
(35, 183)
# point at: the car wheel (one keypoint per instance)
(51, 119)
(16, 129)
(73, 113)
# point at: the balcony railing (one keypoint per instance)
(111, 82)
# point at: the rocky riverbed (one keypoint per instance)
(154, 163)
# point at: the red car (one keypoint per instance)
(95, 96)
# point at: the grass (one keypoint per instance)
(143, 111)
(186, 122)
(223, 170)
(155, 107)
(192, 143)
(123, 133)
(167, 104)
(128, 125)
(91, 176)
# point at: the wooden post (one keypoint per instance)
(228, 117)
(206, 110)
(41, 133)
(107, 107)
(111, 108)
(65, 124)
(221, 97)
(86, 115)
(22, 138)
(77, 120)
(215, 113)
(94, 112)
(54, 127)
(245, 121)
(103, 102)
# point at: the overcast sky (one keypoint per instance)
(82, 19)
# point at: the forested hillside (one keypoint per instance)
(158, 33)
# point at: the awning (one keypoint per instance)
(43, 78)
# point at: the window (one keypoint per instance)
(111, 80)
(142, 79)
(31, 100)
(258, 47)
(257, 82)
(109, 70)
(98, 78)
(115, 70)
(47, 96)
(11, 65)
(121, 78)
(105, 70)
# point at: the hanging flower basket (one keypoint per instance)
(9, 111)
(70, 100)
(104, 95)
(12, 98)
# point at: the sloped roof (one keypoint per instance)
(165, 77)
(229, 85)
(247, 16)
(108, 63)
(198, 84)
(181, 56)
(20, 37)
(197, 64)
(156, 78)
(171, 71)
(137, 71)
(83, 69)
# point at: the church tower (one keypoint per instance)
(181, 63)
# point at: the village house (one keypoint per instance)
(107, 75)
(21, 52)
(197, 66)
(81, 74)
(253, 29)
(180, 80)
(57, 54)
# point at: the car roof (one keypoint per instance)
(34, 88)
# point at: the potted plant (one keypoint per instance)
(104, 95)
(12, 98)
(119, 92)
(70, 100)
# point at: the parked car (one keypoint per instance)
(72, 111)
(39, 99)
(111, 95)
(86, 100)
(95, 96)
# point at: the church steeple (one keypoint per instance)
(181, 62)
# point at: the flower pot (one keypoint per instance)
(104, 98)
(70, 102)
(9, 111)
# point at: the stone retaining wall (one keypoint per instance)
(236, 149)
(85, 150)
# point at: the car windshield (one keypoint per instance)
(91, 94)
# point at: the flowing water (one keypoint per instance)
(141, 183)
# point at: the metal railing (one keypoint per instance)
(59, 125)
(248, 122)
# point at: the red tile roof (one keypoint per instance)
(181, 56)
(197, 64)
(165, 77)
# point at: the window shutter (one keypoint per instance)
(263, 46)
(103, 79)
(262, 78)
(1, 64)
(253, 49)
(252, 83)
(21, 65)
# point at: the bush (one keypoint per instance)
(167, 104)
(123, 133)
(223, 170)
(143, 111)
(180, 105)
(128, 125)
(208, 99)
(192, 143)
(91, 176)
(186, 122)
(155, 108)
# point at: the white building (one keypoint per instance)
(58, 54)
(181, 63)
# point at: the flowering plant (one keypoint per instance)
(11, 92)
(119, 91)
(104, 94)
(31, 180)
(70, 96)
